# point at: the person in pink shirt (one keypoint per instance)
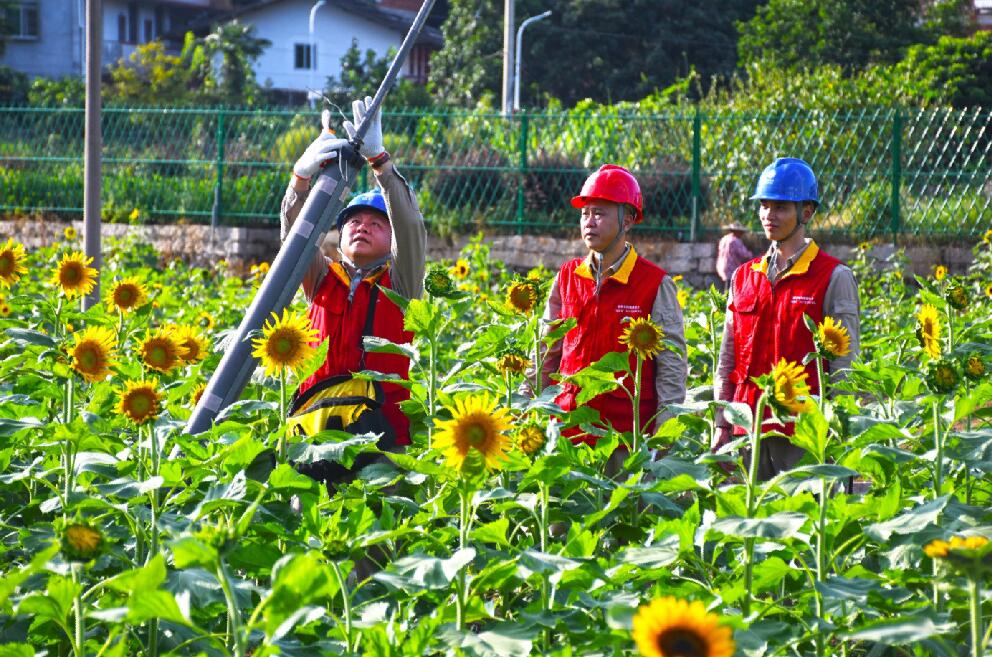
(731, 253)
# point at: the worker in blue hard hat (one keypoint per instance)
(768, 298)
(382, 244)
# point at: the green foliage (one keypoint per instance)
(151, 77)
(238, 48)
(850, 33)
(68, 91)
(361, 76)
(957, 71)
(14, 86)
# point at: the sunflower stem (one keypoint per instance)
(431, 388)
(464, 511)
(822, 381)
(281, 442)
(636, 401)
(938, 465)
(346, 603)
(235, 640)
(752, 482)
(67, 444)
(538, 357)
(975, 614)
(79, 647)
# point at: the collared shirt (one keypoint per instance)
(670, 365)
(840, 302)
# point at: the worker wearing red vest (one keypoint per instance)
(382, 243)
(603, 291)
(767, 300)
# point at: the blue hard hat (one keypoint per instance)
(787, 179)
(372, 199)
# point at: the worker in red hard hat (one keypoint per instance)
(604, 291)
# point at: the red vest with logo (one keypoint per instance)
(341, 323)
(768, 321)
(601, 322)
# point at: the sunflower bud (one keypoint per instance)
(974, 367)
(438, 282)
(531, 439)
(957, 296)
(942, 376)
(512, 363)
(81, 542)
(522, 297)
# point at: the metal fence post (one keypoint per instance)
(219, 167)
(697, 122)
(523, 172)
(896, 173)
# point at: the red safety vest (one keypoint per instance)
(341, 323)
(768, 321)
(629, 293)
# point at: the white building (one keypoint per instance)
(49, 35)
(293, 63)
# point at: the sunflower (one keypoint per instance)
(162, 352)
(438, 283)
(643, 337)
(476, 424)
(988, 290)
(522, 297)
(205, 320)
(134, 216)
(961, 550)
(987, 236)
(864, 247)
(285, 343)
(260, 270)
(194, 397)
(193, 344)
(974, 367)
(512, 363)
(12, 259)
(530, 439)
(682, 296)
(81, 542)
(140, 401)
(791, 393)
(833, 338)
(74, 275)
(5, 309)
(928, 330)
(127, 294)
(69, 233)
(460, 269)
(93, 353)
(957, 297)
(939, 272)
(669, 627)
(942, 376)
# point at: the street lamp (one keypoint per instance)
(311, 93)
(516, 74)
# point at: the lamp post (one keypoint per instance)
(516, 73)
(311, 93)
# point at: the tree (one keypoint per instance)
(361, 76)
(150, 76)
(598, 49)
(851, 33)
(237, 47)
(955, 71)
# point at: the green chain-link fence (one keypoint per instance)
(882, 172)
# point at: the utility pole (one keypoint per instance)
(92, 145)
(508, 21)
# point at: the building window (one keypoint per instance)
(305, 56)
(22, 20)
(149, 36)
(121, 28)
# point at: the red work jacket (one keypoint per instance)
(341, 323)
(629, 293)
(768, 321)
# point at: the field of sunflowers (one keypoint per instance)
(492, 535)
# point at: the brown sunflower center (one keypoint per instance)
(140, 404)
(72, 274)
(681, 643)
(158, 355)
(7, 263)
(125, 296)
(89, 357)
(476, 433)
(643, 337)
(192, 348)
(283, 345)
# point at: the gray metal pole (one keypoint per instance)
(327, 197)
(92, 144)
(519, 56)
(508, 20)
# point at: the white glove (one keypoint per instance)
(372, 143)
(324, 149)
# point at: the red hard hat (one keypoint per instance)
(612, 183)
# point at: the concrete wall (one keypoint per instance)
(242, 247)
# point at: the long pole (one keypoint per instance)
(311, 92)
(327, 197)
(92, 144)
(508, 19)
(518, 57)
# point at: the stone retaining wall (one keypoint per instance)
(242, 247)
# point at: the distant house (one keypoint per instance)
(983, 14)
(292, 63)
(49, 36)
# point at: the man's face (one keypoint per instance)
(778, 218)
(366, 236)
(598, 224)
